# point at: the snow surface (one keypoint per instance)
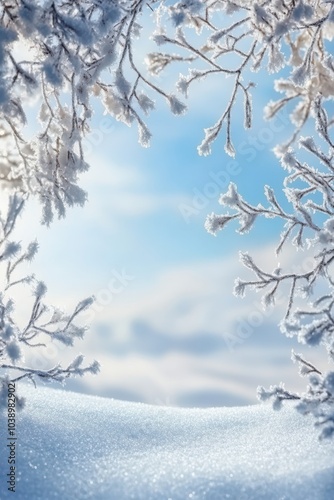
(74, 446)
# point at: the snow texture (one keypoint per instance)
(75, 446)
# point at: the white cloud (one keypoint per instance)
(117, 190)
(187, 341)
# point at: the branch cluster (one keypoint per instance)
(239, 37)
(308, 224)
(43, 325)
(60, 54)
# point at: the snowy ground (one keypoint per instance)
(73, 446)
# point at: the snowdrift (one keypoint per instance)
(73, 446)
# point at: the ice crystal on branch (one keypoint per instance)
(72, 51)
(309, 313)
(271, 35)
(45, 324)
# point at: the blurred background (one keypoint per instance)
(165, 325)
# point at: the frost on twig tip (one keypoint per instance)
(43, 324)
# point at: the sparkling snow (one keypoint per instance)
(73, 446)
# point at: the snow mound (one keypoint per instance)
(73, 446)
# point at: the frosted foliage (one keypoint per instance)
(63, 53)
(59, 54)
(43, 325)
(308, 227)
(270, 35)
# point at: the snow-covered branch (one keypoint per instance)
(307, 224)
(44, 324)
(268, 34)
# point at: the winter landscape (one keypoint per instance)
(75, 446)
(166, 293)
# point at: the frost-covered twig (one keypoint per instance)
(318, 400)
(309, 223)
(68, 49)
(43, 325)
(265, 34)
